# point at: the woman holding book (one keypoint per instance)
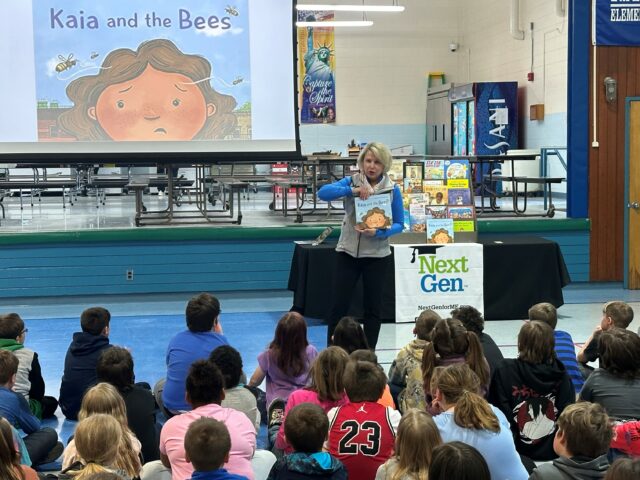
(363, 251)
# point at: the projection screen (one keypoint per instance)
(124, 80)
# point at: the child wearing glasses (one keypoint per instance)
(29, 381)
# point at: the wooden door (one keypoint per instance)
(632, 195)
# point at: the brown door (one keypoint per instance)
(632, 202)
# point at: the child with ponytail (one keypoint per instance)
(452, 344)
(417, 437)
(469, 418)
(97, 439)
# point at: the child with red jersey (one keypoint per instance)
(362, 433)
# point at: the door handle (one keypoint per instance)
(634, 205)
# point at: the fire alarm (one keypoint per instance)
(530, 76)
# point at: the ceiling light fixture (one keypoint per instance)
(336, 23)
(352, 8)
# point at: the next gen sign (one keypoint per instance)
(440, 279)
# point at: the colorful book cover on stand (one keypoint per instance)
(440, 230)
(375, 211)
(456, 170)
(417, 217)
(463, 218)
(435, 194)
(395, 172)
(434, 170)
(436, 212)
(459, 196)
(414, 170)
(413, 185)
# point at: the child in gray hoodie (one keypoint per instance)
(582, 441)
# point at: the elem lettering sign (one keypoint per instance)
(616, 22)
(437, 277)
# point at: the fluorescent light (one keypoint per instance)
(353, 8)
(336, 23)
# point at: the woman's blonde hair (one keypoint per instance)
(9, 456)
(380, 151)
(417, 436)
(97, 439)
(103, 398)
(327, 374)
(460, 387)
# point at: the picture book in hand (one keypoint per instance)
(440, 230)
(375, 211)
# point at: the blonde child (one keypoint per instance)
(103, 398)
(417, 436)
(97, 439)
(469, 418)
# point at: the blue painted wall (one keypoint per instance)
(101, 268)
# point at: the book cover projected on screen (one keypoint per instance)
(151, 77)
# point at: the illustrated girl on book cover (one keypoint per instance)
(375, 218)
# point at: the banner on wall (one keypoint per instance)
(316, 67)
(616, 22)
(437, 277)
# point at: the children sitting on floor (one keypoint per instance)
(417, 436)
(104, 398)
(306, 427)
(97, 439)
(450, 344)
(386, 400)
(349, 335)
(207, 445)
(326, 388)
(81, 359)
(472, 320)
(564, 347)
(362, 433)
(616, 384)
(42, 443)
(202, 336)
(405, 373)
(614, 314)
(285, 364)
(115, 366)
(29, 381)
(581, 442)
(532, 391)
(229, 361)
(459, 461)
(469, 418)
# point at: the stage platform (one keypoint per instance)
(84, 250)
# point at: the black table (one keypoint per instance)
(519, 271)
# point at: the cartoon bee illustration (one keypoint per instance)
(94, 55)
(237, 80)
(232, 10)
(66, 63)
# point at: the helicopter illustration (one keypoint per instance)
(237, 80)
(232, 10)
(65, 63)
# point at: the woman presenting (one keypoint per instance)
(363, 251)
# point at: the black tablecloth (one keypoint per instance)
(519, 272)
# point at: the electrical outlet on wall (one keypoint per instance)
(129, 274)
